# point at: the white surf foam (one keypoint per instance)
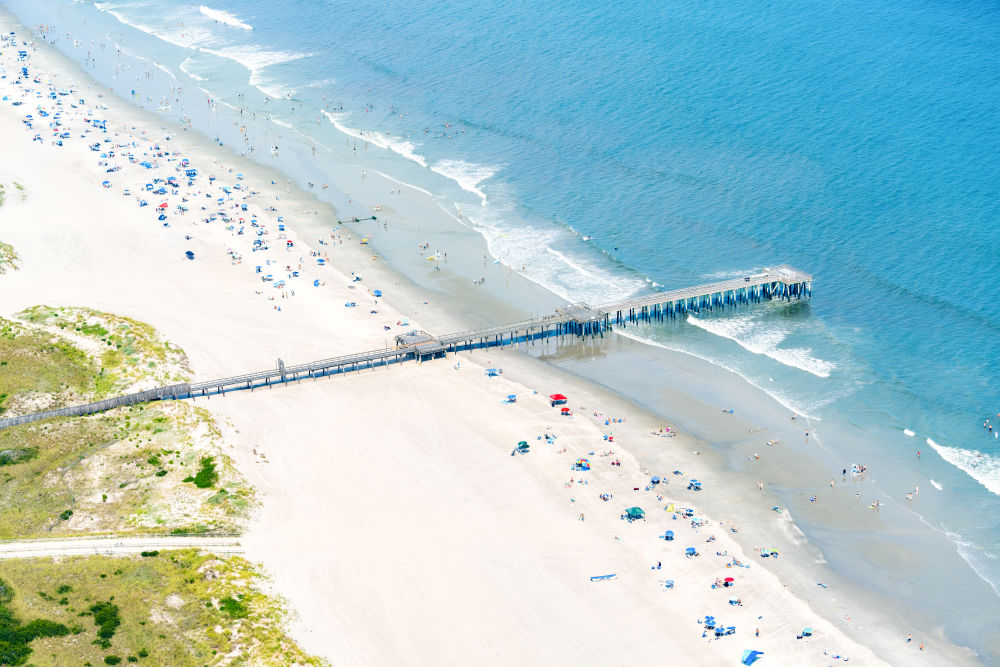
(186, 68)
(255, 58)
(782, 400)
(224, 17)
(908, 432)
(187, 36)
(399, 146)
(981, 467)
(466, 174)
(937, 485)
(403, 183)
(764, 338)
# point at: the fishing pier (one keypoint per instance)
(580, 320)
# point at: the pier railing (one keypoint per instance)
(780, 282)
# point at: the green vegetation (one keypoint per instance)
(40, 370)
(184, 608)
(124, 350)
(235, 608)
(206, 476)
(8, 257)
(93, 474)
(107, 620)
(15, 637)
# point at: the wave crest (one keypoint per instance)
(224, 17)
(764, 338)
(983, 468)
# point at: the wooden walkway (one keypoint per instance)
(781, 282)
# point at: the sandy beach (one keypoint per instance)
(395, 518)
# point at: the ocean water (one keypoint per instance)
(609, 149)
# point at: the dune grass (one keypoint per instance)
(34, 362)
(127, 352)
(173, 608)
(8, 258)
(121, 471)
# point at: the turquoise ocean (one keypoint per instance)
(614, 149)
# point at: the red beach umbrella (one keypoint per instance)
(163, 205)
(729, 580)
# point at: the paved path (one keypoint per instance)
(115, 546)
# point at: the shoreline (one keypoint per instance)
(208, 359)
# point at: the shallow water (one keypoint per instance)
(689, 142)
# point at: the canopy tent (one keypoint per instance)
(557, 399)
(690, 551)
(668, 536)
(633, 513)
(750, 657)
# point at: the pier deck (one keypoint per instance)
(580, 319)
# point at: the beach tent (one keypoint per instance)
(189, 254)
(750, 657)
(634, 513)
(582, 464)
(807, 632)
(654, 480)
(316, 283)
(557, 399)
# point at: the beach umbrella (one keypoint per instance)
(729, 580)
(655, 480)
(523, 442)
(565, 411)
(163, 205)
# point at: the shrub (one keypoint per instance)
(150, 554)
(66, 515)
(206, 476)
(233, 607)
(106, 619)
(111, 660)
(14, 637)
(161, 473)
(13, 456)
